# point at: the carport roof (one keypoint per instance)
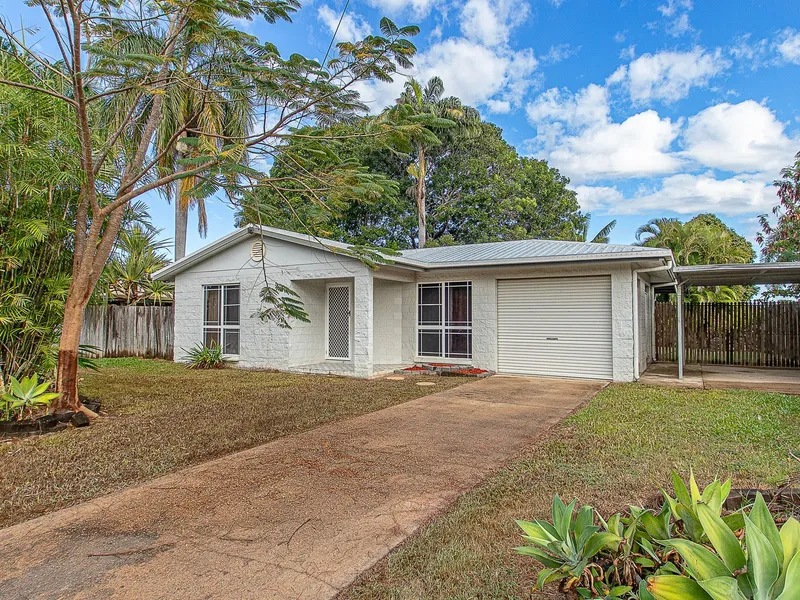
(739, 274)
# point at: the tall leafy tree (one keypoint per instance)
(209, 112)
(427, 106)
(39, 183)
(119, 63)
(702, 240)
(780, 242)
(478, 190)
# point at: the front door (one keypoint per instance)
(338, 322)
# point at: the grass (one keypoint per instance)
(162, 417)
(617, 451)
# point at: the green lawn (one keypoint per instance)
(162, 417)
(617, 451)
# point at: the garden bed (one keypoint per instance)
(444, 369)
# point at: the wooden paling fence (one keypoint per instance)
(756, 334)
(146, 331)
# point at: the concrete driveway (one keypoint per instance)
(724, 377)
(299, 517)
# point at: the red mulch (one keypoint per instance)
(415, 368)
(471, 371)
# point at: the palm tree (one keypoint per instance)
(218, 106)
(702, 240)
(129, 272)
(425, 106)
(601, 237)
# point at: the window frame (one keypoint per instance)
(221, 327)
(443, 328)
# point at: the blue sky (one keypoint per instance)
(663, 108)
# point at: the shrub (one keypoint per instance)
(23, 397)
(764, 564)
(688, 550)
(205, 357)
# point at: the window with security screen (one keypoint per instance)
(444, 320)
(221, 314)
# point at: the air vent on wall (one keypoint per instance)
(257, 251)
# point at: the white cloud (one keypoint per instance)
(575, 133)
(490, 22)
(598, 197)
(636, 147)
(788, 45)
(755, 53)
(673, 7)
(353, 27)
(588, 107)
(497, 78)
(783, 47)
(744, 137)
(499, 106)
(418, 8)
(668, 75)
(677, 14)
(687, 194)
(559, 53)
(619, 37)
(628, 52)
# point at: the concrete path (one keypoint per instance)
(299, 517)
(724, 377)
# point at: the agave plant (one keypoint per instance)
(567, 549)
(24, 396)
(764, 565)
(684, 505)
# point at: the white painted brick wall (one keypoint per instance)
(363, 343)
(307, 340)
(388, 321)
(384, 313)
(264, 345)
(484, 309)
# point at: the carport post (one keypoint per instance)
(679, 307)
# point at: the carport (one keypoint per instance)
(726, 274)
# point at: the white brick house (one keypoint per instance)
(538, 307)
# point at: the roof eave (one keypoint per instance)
(575, 258)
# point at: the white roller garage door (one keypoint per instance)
(558, 326)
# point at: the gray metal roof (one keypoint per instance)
(522, 250)
(519, 252)
(739, 274)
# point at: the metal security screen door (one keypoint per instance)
(339, 322)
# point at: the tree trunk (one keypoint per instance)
(181, 214)
(181, 225)
(422, 216)
(67, 374)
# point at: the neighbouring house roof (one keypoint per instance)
(517, 252)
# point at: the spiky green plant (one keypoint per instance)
(763, 565)
(24, 396)
(568, 546)
(205, 357)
